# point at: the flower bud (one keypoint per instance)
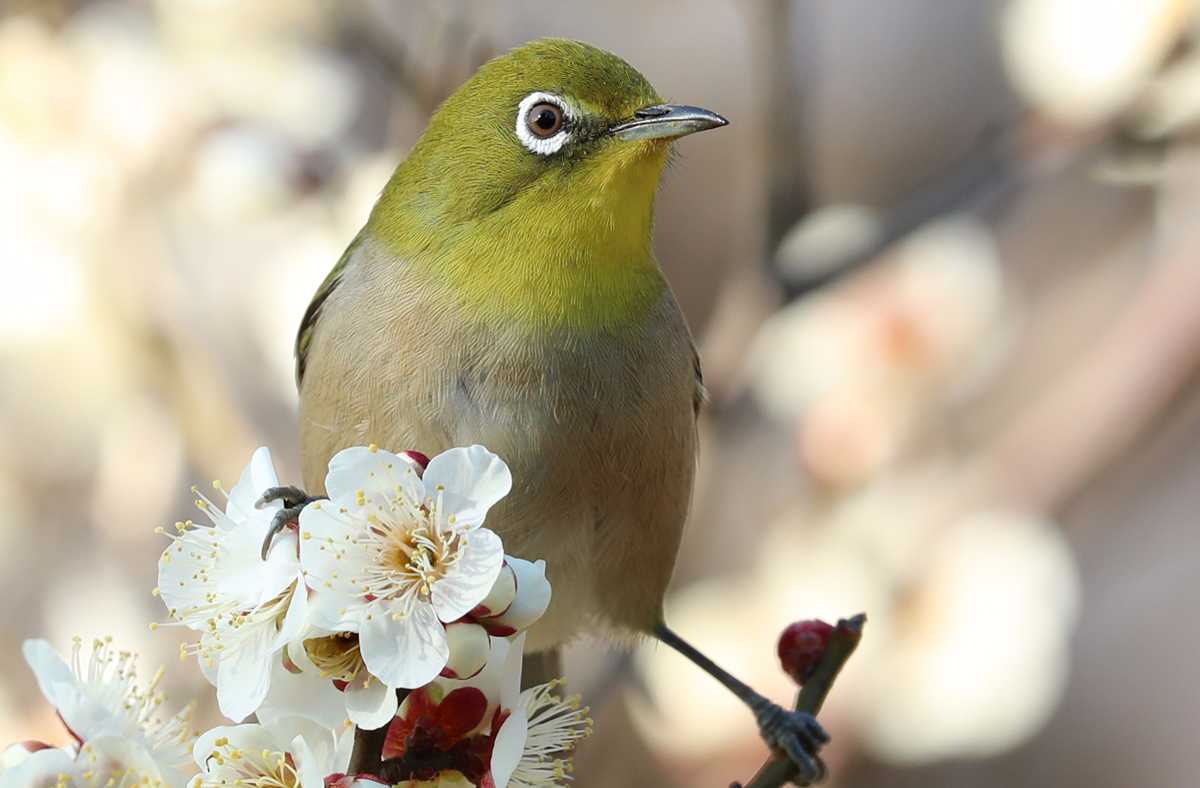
(469, 648)
(418, 459)
(531, 600)
(801, 647)
(501, 597)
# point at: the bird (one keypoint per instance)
(504, 291)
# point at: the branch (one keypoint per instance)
(778, 771)
(367, 755)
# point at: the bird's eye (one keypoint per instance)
(544, 123)
(544, 120)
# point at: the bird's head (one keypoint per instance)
(554, 149)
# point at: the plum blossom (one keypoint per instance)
(289, 752)
(119, 737)
(393, 557)
(312, 680)
(484, 731)
(213, 580)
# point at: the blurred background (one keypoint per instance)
(944, 269)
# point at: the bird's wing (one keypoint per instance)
(308, 324)
(699, 393)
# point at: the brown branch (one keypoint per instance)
(779, 770)
(367, 755)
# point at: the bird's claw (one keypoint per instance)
(294, 500)
(798, 735)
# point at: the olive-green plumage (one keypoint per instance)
(507, 294)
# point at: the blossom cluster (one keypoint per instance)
(388, 604)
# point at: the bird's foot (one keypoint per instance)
(294, 500)
(796, 734)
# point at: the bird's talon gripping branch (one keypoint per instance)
(294, 500)
(797, 734)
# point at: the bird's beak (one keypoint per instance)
(662, 121)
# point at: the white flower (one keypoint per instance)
(527, 737)
(214, 581)
(289, 752)
(116, 724)
(309, 680)
(394, 556)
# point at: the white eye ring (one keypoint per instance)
(544, 146)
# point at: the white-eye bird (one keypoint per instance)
(505, 292)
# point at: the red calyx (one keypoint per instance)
(801, 647)
(422, 460)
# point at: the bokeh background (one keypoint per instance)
(944, 269)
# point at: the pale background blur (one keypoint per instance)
(944, 267)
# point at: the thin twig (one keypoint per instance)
(778, 771)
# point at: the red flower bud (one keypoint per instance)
(422, 460)
(801, 647)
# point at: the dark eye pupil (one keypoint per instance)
(546, 119)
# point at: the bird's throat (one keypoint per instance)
(569, 251)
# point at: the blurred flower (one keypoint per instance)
(860, 365)
(485, 731)
(213, 580)
(978, 656)
(826, 238)
(1083, 61)
(394, 556)
(289, 752)
(112, 721)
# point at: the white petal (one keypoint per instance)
(329, 558)
(471, 479)
(408, 652)
(370, 705)
(39, 769)
(244, 675)
(459, 592)
(509, 746)
(503, 592)
(295, 621)
(177, 567)
(510, 677)
(256, 478)
(53, 676)
(82, 713)
(469, 649)
(533, 595)
(131, 755)
(250, 737)
(305, 693)
(307, 767)
(372, 471)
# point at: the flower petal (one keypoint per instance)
(244, 674)
(41, 768)
(469, 649)
(295, 621)
(509, 746)
(407, 651)
(305, 693)
(533, 595)
(460, 712)
(370, 704)
(501, 596)
(458, 593)
(471, 480)
(372, 470)
(256, 478)
(510, 677)
(54, 677)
